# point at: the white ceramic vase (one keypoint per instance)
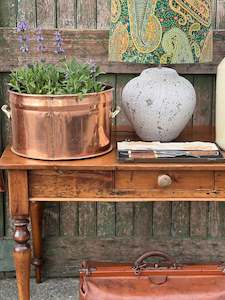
(158, 103)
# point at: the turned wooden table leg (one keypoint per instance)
(22, 258)
(36, 212)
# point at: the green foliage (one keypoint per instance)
(67, 78)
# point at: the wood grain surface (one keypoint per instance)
(86, 44)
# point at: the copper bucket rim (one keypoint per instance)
(108, 89)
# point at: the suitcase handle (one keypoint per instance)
(166, 261)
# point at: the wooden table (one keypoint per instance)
(31, 182)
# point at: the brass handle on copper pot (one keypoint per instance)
(6, 110)
(164, 181)
(116, 112)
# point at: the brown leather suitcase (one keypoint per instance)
(144, 280)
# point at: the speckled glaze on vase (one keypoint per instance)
(159, 103)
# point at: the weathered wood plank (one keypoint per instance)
(87, 220)
(51, 221)
(202, 117)
(27, 12)
(216, 219)
(91, 44)
(180, 220)
(2, 101)
(103, 13)
(203, 112)
(121, 120)
(5, 123)
(106, 219)
(199, 220)
(69, 219)
(46, 13)
(180, 210)
(161, 219)
(86, 14)
(143, 223)
(8, 11)
(74, 251)
(66, 14)
(6, 259)
(216, 210)
(124, 219)
(220, 14)
(1, 216)
(5, 140)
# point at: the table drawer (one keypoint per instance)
(69, 184)
(180, 184)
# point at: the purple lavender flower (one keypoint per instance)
(40, 39)
(58, 41)
(23, 37)
(92, 65)
(22, 26)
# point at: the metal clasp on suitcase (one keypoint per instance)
(87, 271)
(166, 262)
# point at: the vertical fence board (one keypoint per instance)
(1, 216)
(106, 219)
(180, 220)
(220, 14)
(143, 219)
(198, 220)
(8, 12)
(124, 219)
(87, 219)
(202, 118)
(46, 13)
(5, 138)
(51, 219)
(216, 209)
(69, 219)
(86, 18)
(46, 18)
(216, 219)
(161, 219)
(180, 210)
(1, 194)
(27, 12)
(66, 15)
(103, 14)
(86, 14)
(121, 81)
(106, 211)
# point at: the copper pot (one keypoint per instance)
(61, 127)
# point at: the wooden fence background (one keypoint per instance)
(109, 231)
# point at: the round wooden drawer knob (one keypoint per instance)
(164, 181)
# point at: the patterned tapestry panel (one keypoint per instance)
(161, 32)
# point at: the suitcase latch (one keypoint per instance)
(139, 269)
(87, 271)
(165, 262)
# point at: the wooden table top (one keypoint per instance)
(109, 161)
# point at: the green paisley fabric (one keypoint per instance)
(161, 32)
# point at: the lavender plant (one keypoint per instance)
(40, 40)
(23, 36)
(69, 77)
